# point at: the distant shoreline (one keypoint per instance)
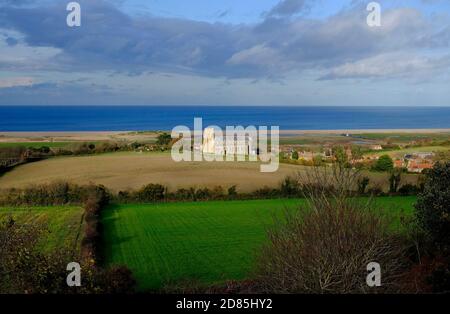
(331, 131)
(63, 136)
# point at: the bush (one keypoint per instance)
(394, 181)
(362, 185)
(24, 268)
(408, 189)
(266, 192)
(289, 187)
(376, 191)
(326, 246)
(57, 193)
(151, 193)
(203, 194)
(433, 216)
(232, 192)
(433, 205)
(164, 139)
(384, 163)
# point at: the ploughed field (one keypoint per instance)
(199, 242)
(132, 170)
(62, 225)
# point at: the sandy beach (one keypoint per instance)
(17, 137)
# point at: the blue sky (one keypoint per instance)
(225, 52)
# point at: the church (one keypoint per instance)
(235, 144)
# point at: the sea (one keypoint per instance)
(149, 118)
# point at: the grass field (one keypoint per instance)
(206, 241)
(401, 152)
(404, 137)
(63, 223)
(132, 170)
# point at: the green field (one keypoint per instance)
(62, 223)
(206, 242)
(404, 137)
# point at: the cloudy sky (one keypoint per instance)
(225, 52)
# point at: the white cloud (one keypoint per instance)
(16, 81)
(389, 66)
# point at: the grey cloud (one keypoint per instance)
(287, 8)
(112, 40)
(11, 41)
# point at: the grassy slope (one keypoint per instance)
(206, 241)
(63, 223)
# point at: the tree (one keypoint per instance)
(433, 204)
(394, 181)
(357, 153)
(384, 163)
(362, 185)
(164, 139)
(318, 161)
(340, 155)
(294, 155)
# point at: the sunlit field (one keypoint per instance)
(202, 242)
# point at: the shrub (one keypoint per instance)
(362, 185)
(318, 161)
(325, 246)
(394, 181)
(26, 269)
(376, 191)
(289, 187)
(203, 194)
(185, 194)
(433, 205)
(232, 192)
(118, 279)
(151, 193)
(164, 139)
(408, 189)
(57, 193)
(384, 163)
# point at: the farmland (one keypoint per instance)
(35, 144)
(132, 170)
(62, 224)
(207, 242)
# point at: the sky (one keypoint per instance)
(225, 52)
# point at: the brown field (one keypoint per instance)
(131, 170)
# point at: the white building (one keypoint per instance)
(228, 145)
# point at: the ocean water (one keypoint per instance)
(139, 118)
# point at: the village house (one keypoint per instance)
(376, 147)
(398, 163)
(419, 166)
(418, 162)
